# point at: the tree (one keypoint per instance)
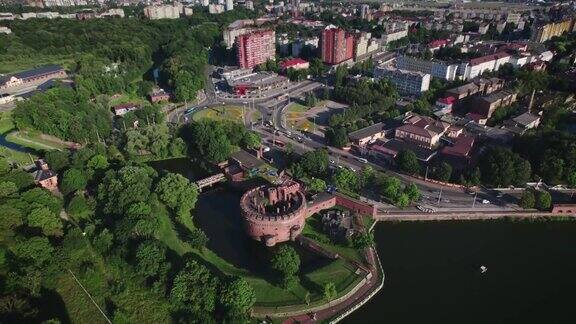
(528, 199)
(150, 256)
(286, 263)
(337, 137)
(363, 240)
(98, 162)
(307, 298)
(194, 290)
(572, 179)
(317, 185)
(311, 99)
(443, 172)
(330, 291)
(315, 163)
(252, 140)
(346, 179)
(103, 241)
(36, 250)
(389, 187)
(120, 189)
(408, 162)
(73, 180)
(7, 189)
(46, 220)
(501, 167)
(209, 139)
(543, 200)
(178, 193)
(402, 200)
(412, 192)
(57, 160)
(197, 238)
(237, 298)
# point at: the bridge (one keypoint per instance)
(207, 182)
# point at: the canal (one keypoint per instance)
(433, 276)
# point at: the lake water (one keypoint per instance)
(432, 273)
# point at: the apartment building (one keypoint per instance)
(336, 45)
(422, 131)
(542, 32)
(486, 105)
(394, 35)
(437, 69)
(256, 48)
(406, 82)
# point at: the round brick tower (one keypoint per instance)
(274, 214)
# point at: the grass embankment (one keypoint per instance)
(267, 293)
(22, 63)
(6, 123)
(13, 156)
(227, 112)
(34, 141)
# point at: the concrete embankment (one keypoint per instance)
(466, 215)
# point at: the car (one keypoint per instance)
(485, 201)
(265, 149)
(332, 161)
(352, 169)
(500, 195)
(362, 160)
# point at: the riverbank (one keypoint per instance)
(470, 216)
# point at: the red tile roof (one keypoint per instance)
(291, 62)
(461, 147)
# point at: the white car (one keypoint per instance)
(486, 202)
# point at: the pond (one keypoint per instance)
(432, 273)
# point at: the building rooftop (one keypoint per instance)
(394, 146)
(31, 73)
(246, 160)
(526, 119)
(374, 129)
(461, 148)
(488, 58)
(493, 97)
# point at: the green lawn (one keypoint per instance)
(127, 98)
(6, 123)
(297, 108)
(227, 112)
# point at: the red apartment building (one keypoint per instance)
(336, 45)
(255, 48)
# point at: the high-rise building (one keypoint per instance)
(255, 48)
(205, 3)
(229, 5)
(336, 46)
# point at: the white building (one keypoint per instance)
(395, 35)
(5, 30)
(250, 5)
(215, 8)
(437, 69)
(407, 82)
(205, 3)
(163, 11)
(229, 5)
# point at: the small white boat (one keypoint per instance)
(483, 269)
